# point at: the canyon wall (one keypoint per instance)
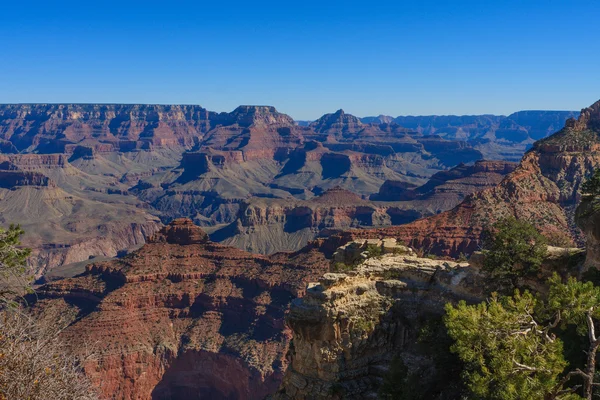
(543, 189)
(183, 318)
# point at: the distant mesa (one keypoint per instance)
(380, 119)
(181, 231)
(337, 122)
(263, 115)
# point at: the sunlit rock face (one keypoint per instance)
(349, 326)
(184, 318)
(543, 189)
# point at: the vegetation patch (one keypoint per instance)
(513, 249)
(513, 347)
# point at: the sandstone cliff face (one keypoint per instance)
(50, 128)
(13, 179)
(184, 318)
(349, 325)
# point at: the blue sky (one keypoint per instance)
(306, 58)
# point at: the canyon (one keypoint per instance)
(270, 225)
(186, 317)
(543, 189)
(91, 181)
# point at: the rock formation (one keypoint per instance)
(270, 225)
(543, 189)
(184, 317)
(59, 128)
(66, 223)
(349, 326)
(96, 178)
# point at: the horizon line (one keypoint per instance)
(265, 105)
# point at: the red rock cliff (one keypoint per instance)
(184, 317)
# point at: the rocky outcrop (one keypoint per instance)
(349, 326)
(184, 317)
(180, 231)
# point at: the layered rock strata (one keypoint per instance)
(270, 225)
(543, 189)
(184, 318)
(350, 325)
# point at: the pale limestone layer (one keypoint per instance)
(349, 325)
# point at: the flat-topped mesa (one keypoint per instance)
(259, 115)
(339, 196)
(51, 128)
(180, 231)
(337, 122)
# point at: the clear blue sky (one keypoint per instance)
(305, 57)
